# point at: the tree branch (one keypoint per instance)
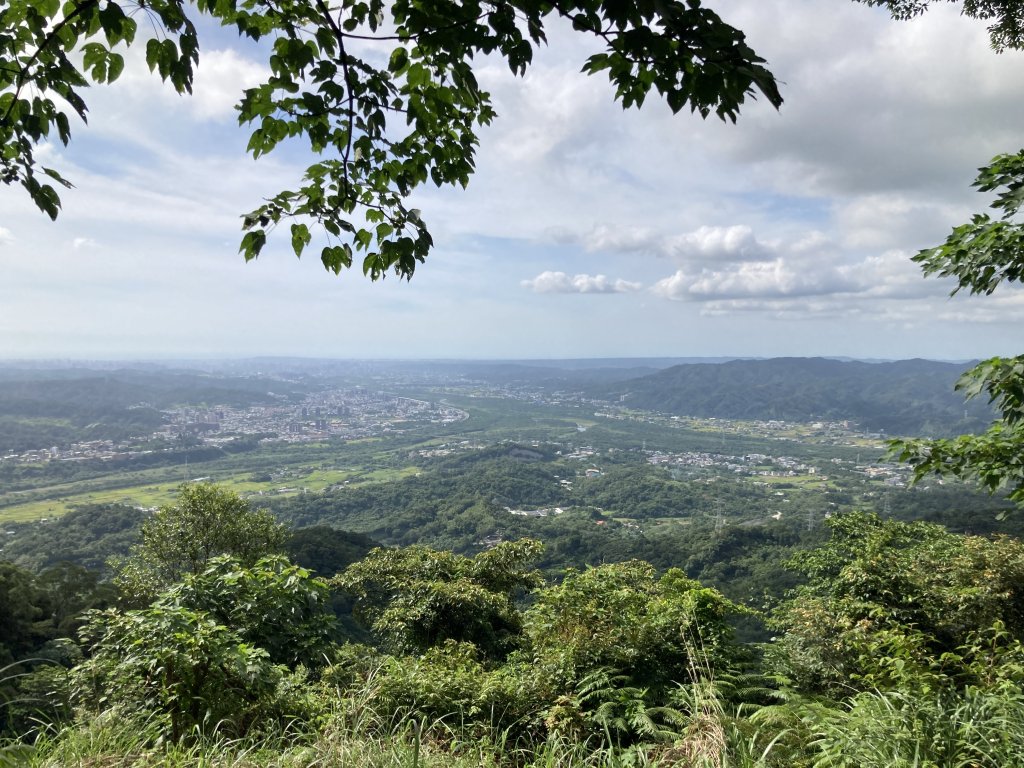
(23, 71)
(347, 73)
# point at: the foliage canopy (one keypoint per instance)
(213, 651)
(887, 601)
(415, 598)
(982, 255)
(383, 94)
(182, 538)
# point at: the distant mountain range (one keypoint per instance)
(909, 397)
(50, 405)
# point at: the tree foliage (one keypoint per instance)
(982, 255)
(212, 652)
(182, 538)
(384, 94)
(273, 604)
(20, 609)
(886, 601)
(414, 598)
(622, 617)
(607, 651)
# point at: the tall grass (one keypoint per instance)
(108, 742)
(972, 728)
(356, 737)
(975, 728)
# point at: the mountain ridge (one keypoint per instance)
(914, 397)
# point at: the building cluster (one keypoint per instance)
(897, 475)
(86, 450)
(346, 414)
(349, 414)
(448, 449)
(751, 464)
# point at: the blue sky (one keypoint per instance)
(587, 231)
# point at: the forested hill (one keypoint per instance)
(912, 397)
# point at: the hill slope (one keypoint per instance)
(904, 397)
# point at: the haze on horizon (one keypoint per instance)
(587, 231)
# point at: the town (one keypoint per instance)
(345, 414)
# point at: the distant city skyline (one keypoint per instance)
(586, 232)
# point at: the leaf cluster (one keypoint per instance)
(602, 654)
(981, 255)
(986, 252)
(384, 95)
(213, 653)
(415, 598)
(182, 538)
(887, 602)
(50, 52)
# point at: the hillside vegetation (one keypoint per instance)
(902, 645)
(911, 397)
(498, 574)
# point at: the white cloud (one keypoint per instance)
(894, 319)
(809, 268)
(811, 212)
(896, 220)
(220, 79)
(705, 244)
(812, 308)
(776, 278)
(1005, 306)
(560, 282)
(604, 237)
(736, 243)
(892, 275)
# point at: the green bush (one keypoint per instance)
(887, 602)
(415, 598)
(975, 727)
(657, 632)
(210, 653)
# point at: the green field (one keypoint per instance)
(137, 496)
(815, 482)
(297, 480)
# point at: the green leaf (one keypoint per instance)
(154, 52)
(399, 60)
(57, 177)
(336, 257)
(363, 238)
(115, 66)
(252, 244)
(48, 201)
(300, 238)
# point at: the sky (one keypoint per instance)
(587, 231)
